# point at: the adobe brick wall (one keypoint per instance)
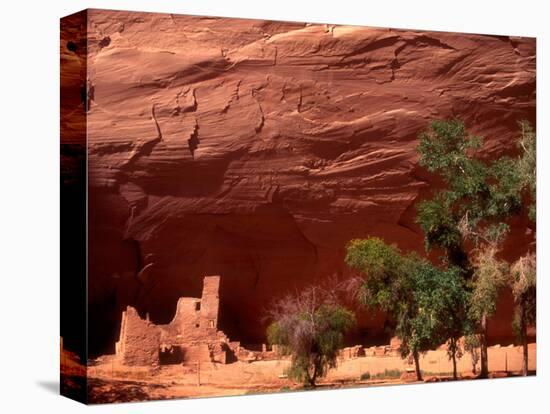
(210, 304)
(139, 340)
(194, 329)
(196, 320)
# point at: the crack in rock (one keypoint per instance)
(147, 148)
(234, 97)
(258, 128)
(194, 141)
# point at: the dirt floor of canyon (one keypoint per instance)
(110, 382)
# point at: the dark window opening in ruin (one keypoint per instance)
(254, 347)
(197, 306)
(230, 356)
(197, 325)
(171, 356)
(211, 323)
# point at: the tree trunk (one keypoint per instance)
(523, 328)
(313, 378)
(453, 354)
(417, 366)
(455, 376)
(484, 371)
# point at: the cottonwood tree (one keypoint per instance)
(517, 180)
(452, 304)
(471, 345)
(476, 200)
(426, 304)
(523, 273)
(482, 193)
(443, 302)
(523, 279)
(490, 275)
(309, 326)
(526, 167)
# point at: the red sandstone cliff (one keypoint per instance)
(256, 150)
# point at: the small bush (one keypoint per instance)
(388, 374)
(437, 374)
(309, 326)
(365, 376)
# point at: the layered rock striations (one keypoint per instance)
(256, 149)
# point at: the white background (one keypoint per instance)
(29, 205)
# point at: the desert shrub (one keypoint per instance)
(388, 374)
(365, 376)
(310, 327)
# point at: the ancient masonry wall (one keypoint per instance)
(210, 304)
(139, 340)
(192, 336)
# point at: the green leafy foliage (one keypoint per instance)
(444, 148)
(504, 188)
(471, 345)
(427, 304)
(478, 196)
(476, 200)
(386, 285)
(523, 280)
(388, 374)
(384, 375)
(440, 225)
(447, 149)
(526, 165)
(442, 301)
(365, 376)
(444, 292)
(310, 327)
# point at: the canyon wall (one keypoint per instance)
(256, 150)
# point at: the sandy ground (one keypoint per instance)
(109, 382)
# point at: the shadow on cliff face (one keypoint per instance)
(260, 255)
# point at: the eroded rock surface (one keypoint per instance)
(256, 150)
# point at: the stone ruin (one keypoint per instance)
(191, 337)
(357, 351)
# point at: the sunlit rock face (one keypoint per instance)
(256, 150)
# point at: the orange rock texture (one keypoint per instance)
(256, 150)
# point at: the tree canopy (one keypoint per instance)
(427, 304)
(523, 280)
(474, 204)
(477, 194)
(309, 326)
